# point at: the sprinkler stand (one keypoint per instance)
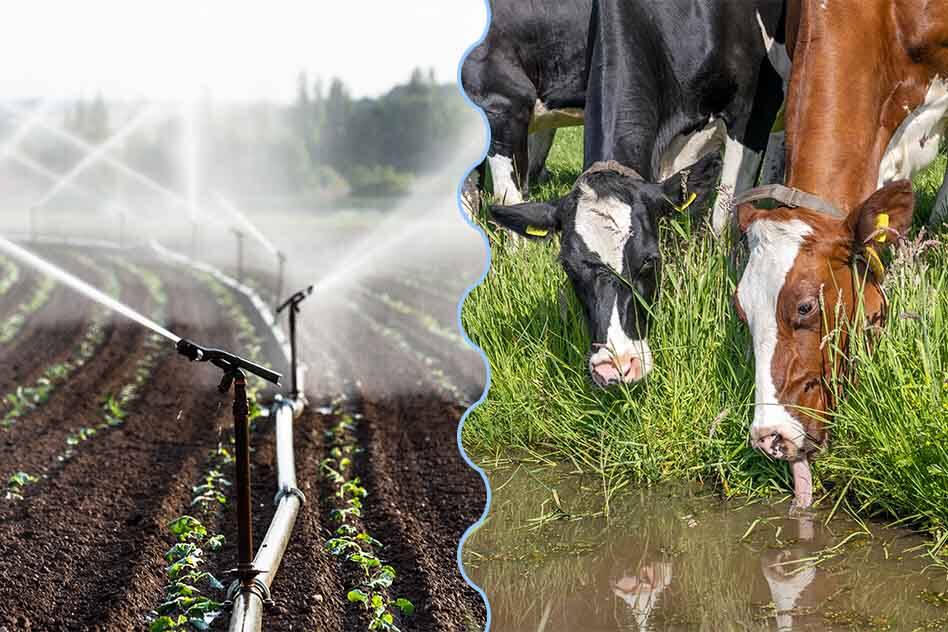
(245, 570)
(293, 303)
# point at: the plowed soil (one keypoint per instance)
(83, 549)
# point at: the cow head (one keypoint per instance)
(608, 227)
(804, 276)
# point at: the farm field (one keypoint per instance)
(688, 421)
(114, 448)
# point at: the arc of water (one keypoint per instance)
(244, 221)
(113, 162)
(82, 287)
(94, 156)
(32, 119)
(51, 175)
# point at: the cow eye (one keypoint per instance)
(806, 307)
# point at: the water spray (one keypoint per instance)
(82, 287)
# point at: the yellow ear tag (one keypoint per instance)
(684, 207)
(536, 231)
(882, 223)
(875, 262)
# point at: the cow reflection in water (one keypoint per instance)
(788, 577)
(641, 590)
(794, 584)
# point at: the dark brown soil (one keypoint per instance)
(83, 550)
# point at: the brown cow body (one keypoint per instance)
(867, 106)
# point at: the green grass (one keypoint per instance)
(689, 420)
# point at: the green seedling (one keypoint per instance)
(17, 483)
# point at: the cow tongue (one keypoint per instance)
(802, 483)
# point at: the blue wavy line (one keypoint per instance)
(464, 296)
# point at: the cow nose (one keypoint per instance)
(615, 371)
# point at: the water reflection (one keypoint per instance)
(680, 559)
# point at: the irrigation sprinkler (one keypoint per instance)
(281, 259)
(293, 304)
(240, 253)
(233, 368)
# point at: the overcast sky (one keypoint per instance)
(239, 49)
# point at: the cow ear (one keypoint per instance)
(536, 220)
(691, 189)
(885, 217)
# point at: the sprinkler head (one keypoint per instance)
(228, 362)
(296, 299)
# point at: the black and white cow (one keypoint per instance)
(670, 84)
(528, 75)
(671, 81)
(608, 227)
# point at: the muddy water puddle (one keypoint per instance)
(680, 558)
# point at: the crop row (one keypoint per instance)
(187, 603)
(428, 322)
(9, 275)
(26, 398)
(351, 542)
(114, 406)
(12, 325)
(437, 375)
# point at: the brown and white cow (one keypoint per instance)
(867, 107)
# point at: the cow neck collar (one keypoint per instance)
(790, 197)
(612, 165)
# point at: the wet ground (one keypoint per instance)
(680, 558)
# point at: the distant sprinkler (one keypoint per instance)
(240, 254)
(281, 262)
(293, 304)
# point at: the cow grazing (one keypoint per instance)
(866, 109)
(672, 81)
(528, 75)
(609, 248)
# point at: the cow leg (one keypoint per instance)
(940, 211)
(538, 149)
(738, 174)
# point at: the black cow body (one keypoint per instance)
(528, 75)
(671, 81)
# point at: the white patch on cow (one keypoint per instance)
(604, 224)
(915, 143)
(619, 346)
(776, 53)
(686, 149)
(544, 118)
(738, 174)
(773, 249)
(506, 191)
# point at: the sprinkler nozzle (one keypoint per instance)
(224, 360)
(296, 299)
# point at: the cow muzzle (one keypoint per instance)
(610, 367)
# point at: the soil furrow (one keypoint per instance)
(78, 402)
(48, 336)
(91, 544)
